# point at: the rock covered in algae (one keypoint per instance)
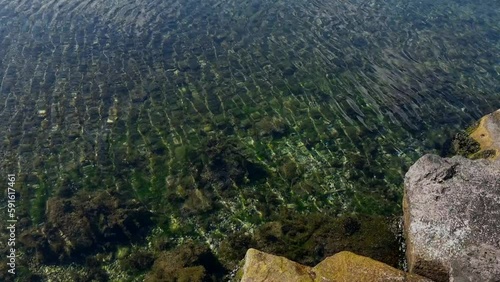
(343, 266)
(189, 262)
(260, 266)
(451, 211)
(480, 141)
(347, 266)
(137, 261)
(271, 126)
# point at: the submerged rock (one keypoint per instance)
(343, 266)
(452, 215)
(137, 261)
(226, 163)
(85, 222)
(189, 262)
(463, 145)
(308, 239)
(271, 126)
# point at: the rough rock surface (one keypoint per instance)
(343, 266)
(487, 134)
(452, 218)
(260, 266)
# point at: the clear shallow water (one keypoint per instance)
(218, 114)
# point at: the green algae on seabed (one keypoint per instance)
(308, 239)
(37, 210)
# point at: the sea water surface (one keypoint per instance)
(217, 114)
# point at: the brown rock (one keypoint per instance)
(260, 266)
(344, 266)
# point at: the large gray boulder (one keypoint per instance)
(452, 218)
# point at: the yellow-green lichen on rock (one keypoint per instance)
(487, 134)
(347, 266)
(343, 266)
(260, 266)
